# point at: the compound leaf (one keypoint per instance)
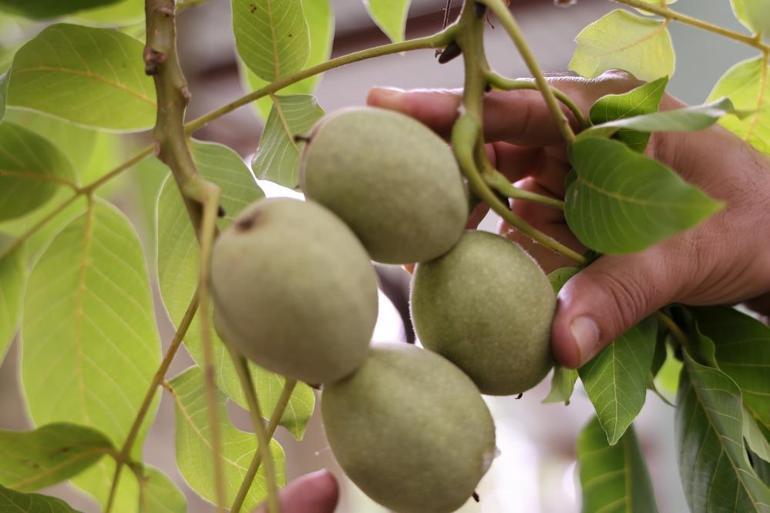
(622, 201)
(11, 502)
(390, 16)
(277, 158)
(613, 478)
(623, 40)
(713, 462)
(616, 379)
(754, 15)
(48, 455)
(90, 76)
(158, 494)
(193, 444)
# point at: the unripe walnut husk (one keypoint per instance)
(294, 290)
(391, 179)
(487, 306)
(410, 429)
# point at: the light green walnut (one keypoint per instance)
(410, 429)
(391, 179)
(487, 307)
(294, 290)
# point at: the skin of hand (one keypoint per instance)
(312, 493)
(724, 260)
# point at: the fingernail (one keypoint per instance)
(386, 97)
(585, 331)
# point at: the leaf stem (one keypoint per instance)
(670, 14)
(244, 374)
(674, 328)
(275, 419)
(511, 84)
(124, 456)
(500, 183)
(512, 27)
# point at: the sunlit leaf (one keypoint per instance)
(95, 78)
(271, 36)
(754, 14)
(44, 9)
(158, 494)
(613, 479)
(193, 444)
(277, 158)
(756, 440)
(320, 22)
(121, 12)
(96, 482)
(743, 353)
(12, 502)
(667, 378)
(390, 16)
(747, 84)
(562, 385)
(622, 201)
(13, 275)
(616, 379)
(713, 463)
(623, 40)
(178, 277)
(31, 170)
(48, 455)
(644, 99)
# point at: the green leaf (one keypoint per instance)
(11, 502)
(91, 153)
(623, 40)
(178, 277)
(616, 379)
(89, 295)
(158, 494)
(748, 87)
(756, 439)
(644, 99)
(96, 481)
(3, 94)
(562, 385)
(621, 201)
(390, 16)
(271, 36)
(31, 170)
(713, 463)
(277, 158)
(667, 378)
(121, 13)
(687, 119)
(742, 352)
(48, 455)
(560, 277)
(761, 467)
(320, 22)
(46, 9)
(95, 77)
(614, 479)
(193, 445)
(13, 276)
(754, 15)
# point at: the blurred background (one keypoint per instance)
(535, 471)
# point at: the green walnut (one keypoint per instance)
(391, 179)
(294, 290)
(487, 307)
(410, 429)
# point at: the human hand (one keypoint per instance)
(725, 259)
(312, 493)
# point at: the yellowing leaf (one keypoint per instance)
(623, 40)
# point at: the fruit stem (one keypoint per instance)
(512, 27)
(464, 136)
(512, 84)
(247, 383)
(275, 419)
(123, 457)
(200, 196)
(500, 183)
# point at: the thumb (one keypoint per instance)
(604, 300)
(311, 493)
